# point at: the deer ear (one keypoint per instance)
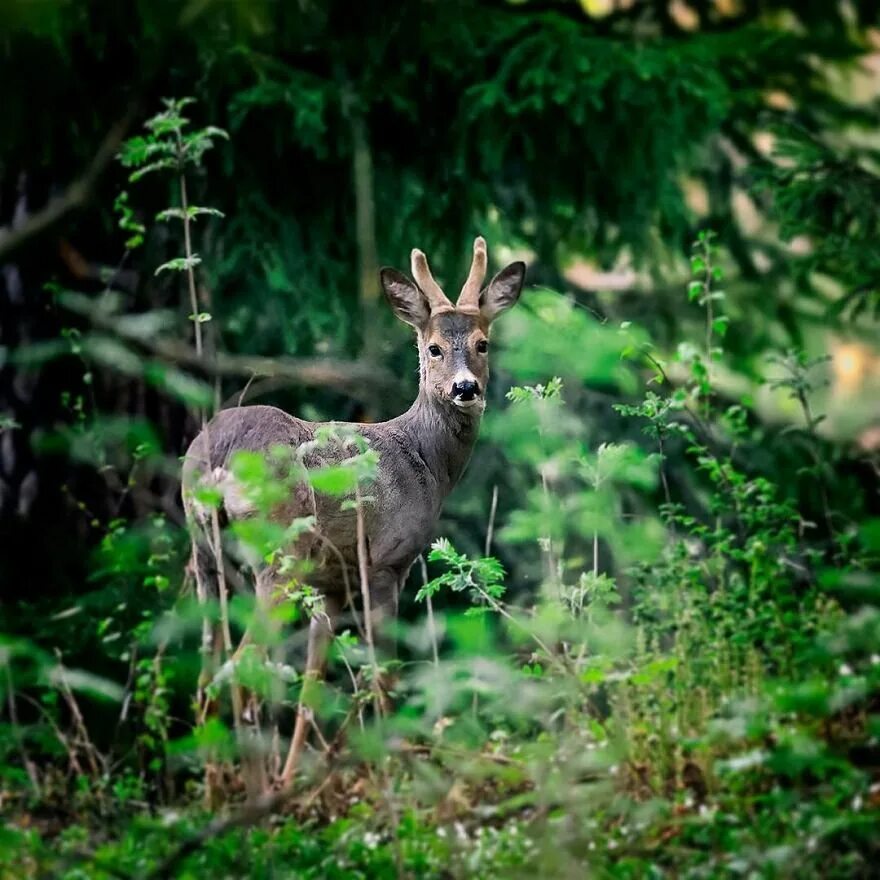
(405, 298)
(502, 291)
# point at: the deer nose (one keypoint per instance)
(465, 390)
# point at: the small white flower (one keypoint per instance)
(845, 669)
(875, 659)
(613, 769)
(857, 802)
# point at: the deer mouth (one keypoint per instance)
(468, 402)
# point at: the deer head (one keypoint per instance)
(453, 340)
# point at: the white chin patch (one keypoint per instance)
(467, 404)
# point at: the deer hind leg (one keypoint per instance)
(211, 651)
(247, 703)
(320, 635)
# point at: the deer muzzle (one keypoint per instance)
(465, 392)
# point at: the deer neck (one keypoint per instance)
(444, 436)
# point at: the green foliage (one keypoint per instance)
(668, 666)
(828, 191)
(482, 578)
(169, 146)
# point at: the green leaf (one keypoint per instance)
(869, 534)
(186, 388)
(191, 213)
(87, 683)
(112, 354)
(8, 423)
(179, 264)
(158, 165)
(333, 479)
(719, 325)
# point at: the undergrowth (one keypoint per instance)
(689, 687)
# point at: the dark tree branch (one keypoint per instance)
(361, 379)
(73, 198)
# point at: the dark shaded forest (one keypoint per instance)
(643, 639)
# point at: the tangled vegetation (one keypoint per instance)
(646, 642)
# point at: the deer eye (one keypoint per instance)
(482, 346)
(434, 351)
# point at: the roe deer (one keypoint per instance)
(422, 455)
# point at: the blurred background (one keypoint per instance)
(593, 139)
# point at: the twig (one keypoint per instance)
(324, 744)
(429, 748)
(497, 606)
(432, 629)
(29, 765)
(244, 390)
(59, 734)
(377, 690)
(79, 722)
(315, 792)
(365, 597)
(490, 531)
(349, 599)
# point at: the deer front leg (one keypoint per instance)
(383, 589)
(320, 634)
(384, 593)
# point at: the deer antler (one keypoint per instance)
(437, 299)
(469, 298)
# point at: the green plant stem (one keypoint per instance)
(187, 244)
(432, 629)
(365, 598)
(496, 606)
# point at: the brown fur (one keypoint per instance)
(422, 455)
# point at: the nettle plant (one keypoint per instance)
(726, 601)
(575, 510)
(260, 481)
(743, 556)
(169, 145)
(136, 561)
